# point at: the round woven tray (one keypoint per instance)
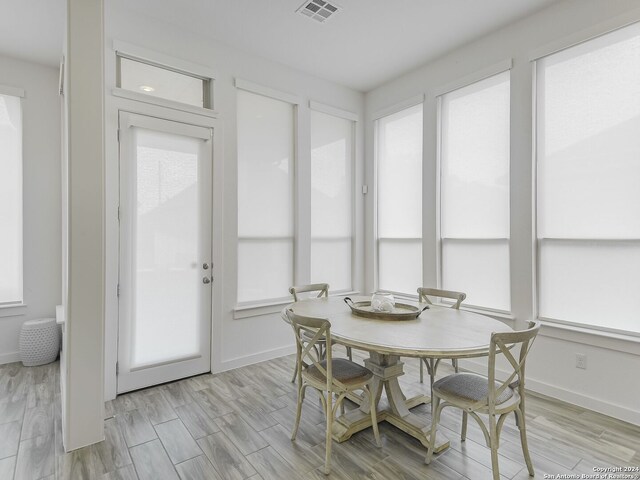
(401, 311)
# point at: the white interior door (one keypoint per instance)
(165, 251)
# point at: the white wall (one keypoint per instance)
(237, 341)
(612, 360)
(41, 194)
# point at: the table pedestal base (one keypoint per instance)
(386, 370)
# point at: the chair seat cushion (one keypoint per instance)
(468, 386)
(343, 370)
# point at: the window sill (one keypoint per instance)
(276, 306)
(618, 342)
(257, 309)
(498, 314)
(15, 310)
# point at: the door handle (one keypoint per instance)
(206, 280)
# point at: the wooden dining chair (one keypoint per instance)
(423, 297)
(475, 394)
(317, 290)
(328, 376)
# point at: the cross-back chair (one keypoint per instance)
(328, 376)
(476, 394)
(322, 290)
(423, 297)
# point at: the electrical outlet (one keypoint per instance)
(581, 361)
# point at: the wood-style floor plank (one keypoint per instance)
(152, 462)
(136, 428)
(230, 463)
(177, 441)
(38, 421)
(196, 420)
(36, 458)
(198, 468)
(124, 473)
(9, 439)
(112, 453)
(7, 466)
(271, 466)
(241, 433)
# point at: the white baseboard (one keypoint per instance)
(536, 386)
(255, 358)
(9, 357)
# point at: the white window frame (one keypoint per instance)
(160, 60)
(17, 307)
(564, 44)
(490, 71)
(379, 114)
(354, 119)
(263, 306)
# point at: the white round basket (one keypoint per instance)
(39, 341)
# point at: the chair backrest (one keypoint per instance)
(424, 294)
(321, 288)
(307, 346)
(507, 344)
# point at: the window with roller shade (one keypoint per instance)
(588, 177)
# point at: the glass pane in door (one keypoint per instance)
(167, 282)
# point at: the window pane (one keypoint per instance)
(591, 282)
(475, 160)
(10, 199)
(588, 145)
(331, 200)
(265, 196)
(479, 268)
(331, 262)
(265, 269)
(160, 82)
(400, 265)
(399, 200)
(400, 174)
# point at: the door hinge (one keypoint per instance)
(117, 368)
(118, 212)
(118, 290)
(365, 189)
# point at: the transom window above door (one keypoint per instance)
(163, 82)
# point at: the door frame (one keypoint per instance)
(207, 119)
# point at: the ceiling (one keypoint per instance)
(364, 45)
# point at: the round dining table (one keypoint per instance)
(439, 332)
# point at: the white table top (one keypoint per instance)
(438, 332)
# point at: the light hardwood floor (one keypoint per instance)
(237, 424)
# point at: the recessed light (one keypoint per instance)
(146, 88)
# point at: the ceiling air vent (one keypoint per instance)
(318, 10)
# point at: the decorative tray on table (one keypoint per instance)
(399, 311)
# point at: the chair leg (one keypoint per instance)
(435, 417)
(349, 354)
(421, 370)
(493, 435)
(301, 389)
(327, 459)
(463, 433)
(374, 416)
(523, 440)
